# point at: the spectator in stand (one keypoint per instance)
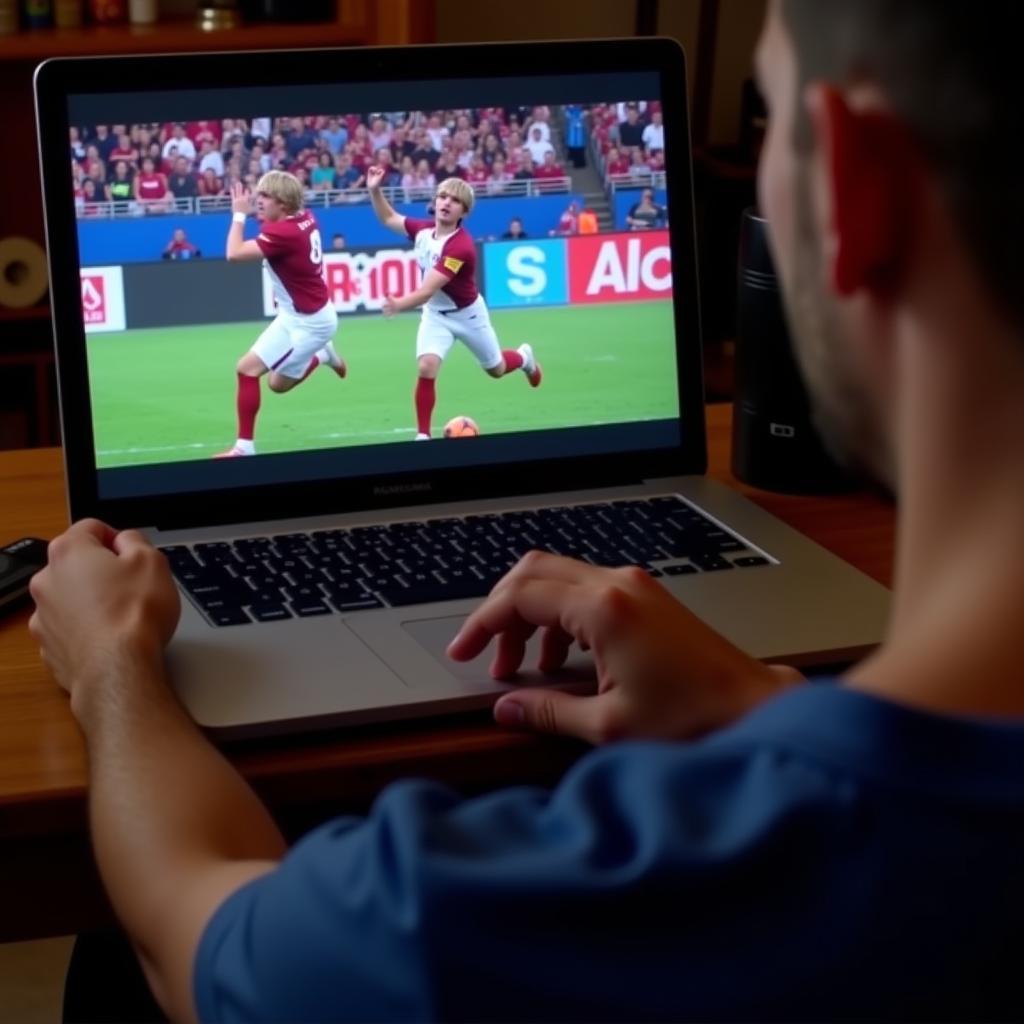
(237, 151)
(539, 120)
(88, 207)
(525, 171)
(645, 214)
(513, 143)
(345, 175)
(408, 172)
(151, 189)
(537, 146)
(656, 161)
(588, 222)
(300, 137)
(210, 184)
(231, 131)
(436, 131)
(260, 155)
(491, 149)
(617, 162)
(338, 242)
(549, 172)
(477, 172)
(631, 131)
(203, 131)
(98, 172)
(124, 150)
(103, 141)
(362, 147)
(499, 178)
(461, 151)
(638, 165)
(279, 159)
(401, 145)
(322, 177)
(515, 230)
(380, 135)
(622, 110)
(335, 135)
(425, 148)
(77, 145)
(210, 158)
(183, 145)
(575, 134)
(569, 222)
(182, 181)
(120, 188)
(180, 248)
(392, 178)
(448, 167)
(423, 183)
(653, 136)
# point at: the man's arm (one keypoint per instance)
(237, 247)
(169, 852)
(386, 213)
(433, 281)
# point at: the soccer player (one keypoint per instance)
(298, 339)
(452, 306)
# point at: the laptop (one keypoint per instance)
(323, 576)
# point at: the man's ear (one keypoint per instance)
(866, 190)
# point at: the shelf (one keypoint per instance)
(174, 37)
(8, 315)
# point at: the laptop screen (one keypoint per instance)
(561, 274)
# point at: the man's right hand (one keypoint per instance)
(662, 672)
(374, 176)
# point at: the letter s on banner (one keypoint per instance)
(527, 277)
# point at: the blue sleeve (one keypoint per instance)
(646, 863)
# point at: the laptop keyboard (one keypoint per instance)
(266, 579)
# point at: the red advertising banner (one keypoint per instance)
(102, 299)
(619, 268)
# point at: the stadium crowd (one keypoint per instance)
(151, 165)
(148, 167)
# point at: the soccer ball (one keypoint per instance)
(461, 426)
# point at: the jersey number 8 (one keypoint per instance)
(316, 250)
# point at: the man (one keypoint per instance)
(453, 308)
(180, 248)
(179, 144)
(537, 146)
(645, 213)
(183, 182)
(847, 850)
(298, 339)
(515, 230)
(653, 136)
(631, 131)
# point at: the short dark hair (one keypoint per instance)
(952, 70)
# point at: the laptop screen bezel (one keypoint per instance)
(60, 78)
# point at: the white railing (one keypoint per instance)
(314, 199)
(647, 179)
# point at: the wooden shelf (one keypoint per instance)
(175, 37)
(24, 313)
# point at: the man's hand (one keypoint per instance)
(241, 200)
(104, 596)
(389, 307)
(661, 671)
(374, 176)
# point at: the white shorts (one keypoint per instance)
(471, 325)
(292, 339)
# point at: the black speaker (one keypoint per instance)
(774, 443)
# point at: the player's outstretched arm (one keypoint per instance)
(237, 247)
(168, 855)
(661, 671)
(386, 213)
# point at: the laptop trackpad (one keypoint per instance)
(435, 634)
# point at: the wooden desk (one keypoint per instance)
(48, 884)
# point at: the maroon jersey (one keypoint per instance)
(454, 256)
(152, 186)
(294, 261)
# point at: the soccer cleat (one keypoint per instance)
(530, 365)
(422, 437)
(334, 361)
(234, 452)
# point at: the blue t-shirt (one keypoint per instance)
(830, 856)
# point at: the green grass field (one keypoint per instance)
(168, 394)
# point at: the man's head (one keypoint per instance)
(181, 166)
(338, 242)
(453, 200)
(278, 195)
(885, 115)
(515, 227)
(179, 234)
